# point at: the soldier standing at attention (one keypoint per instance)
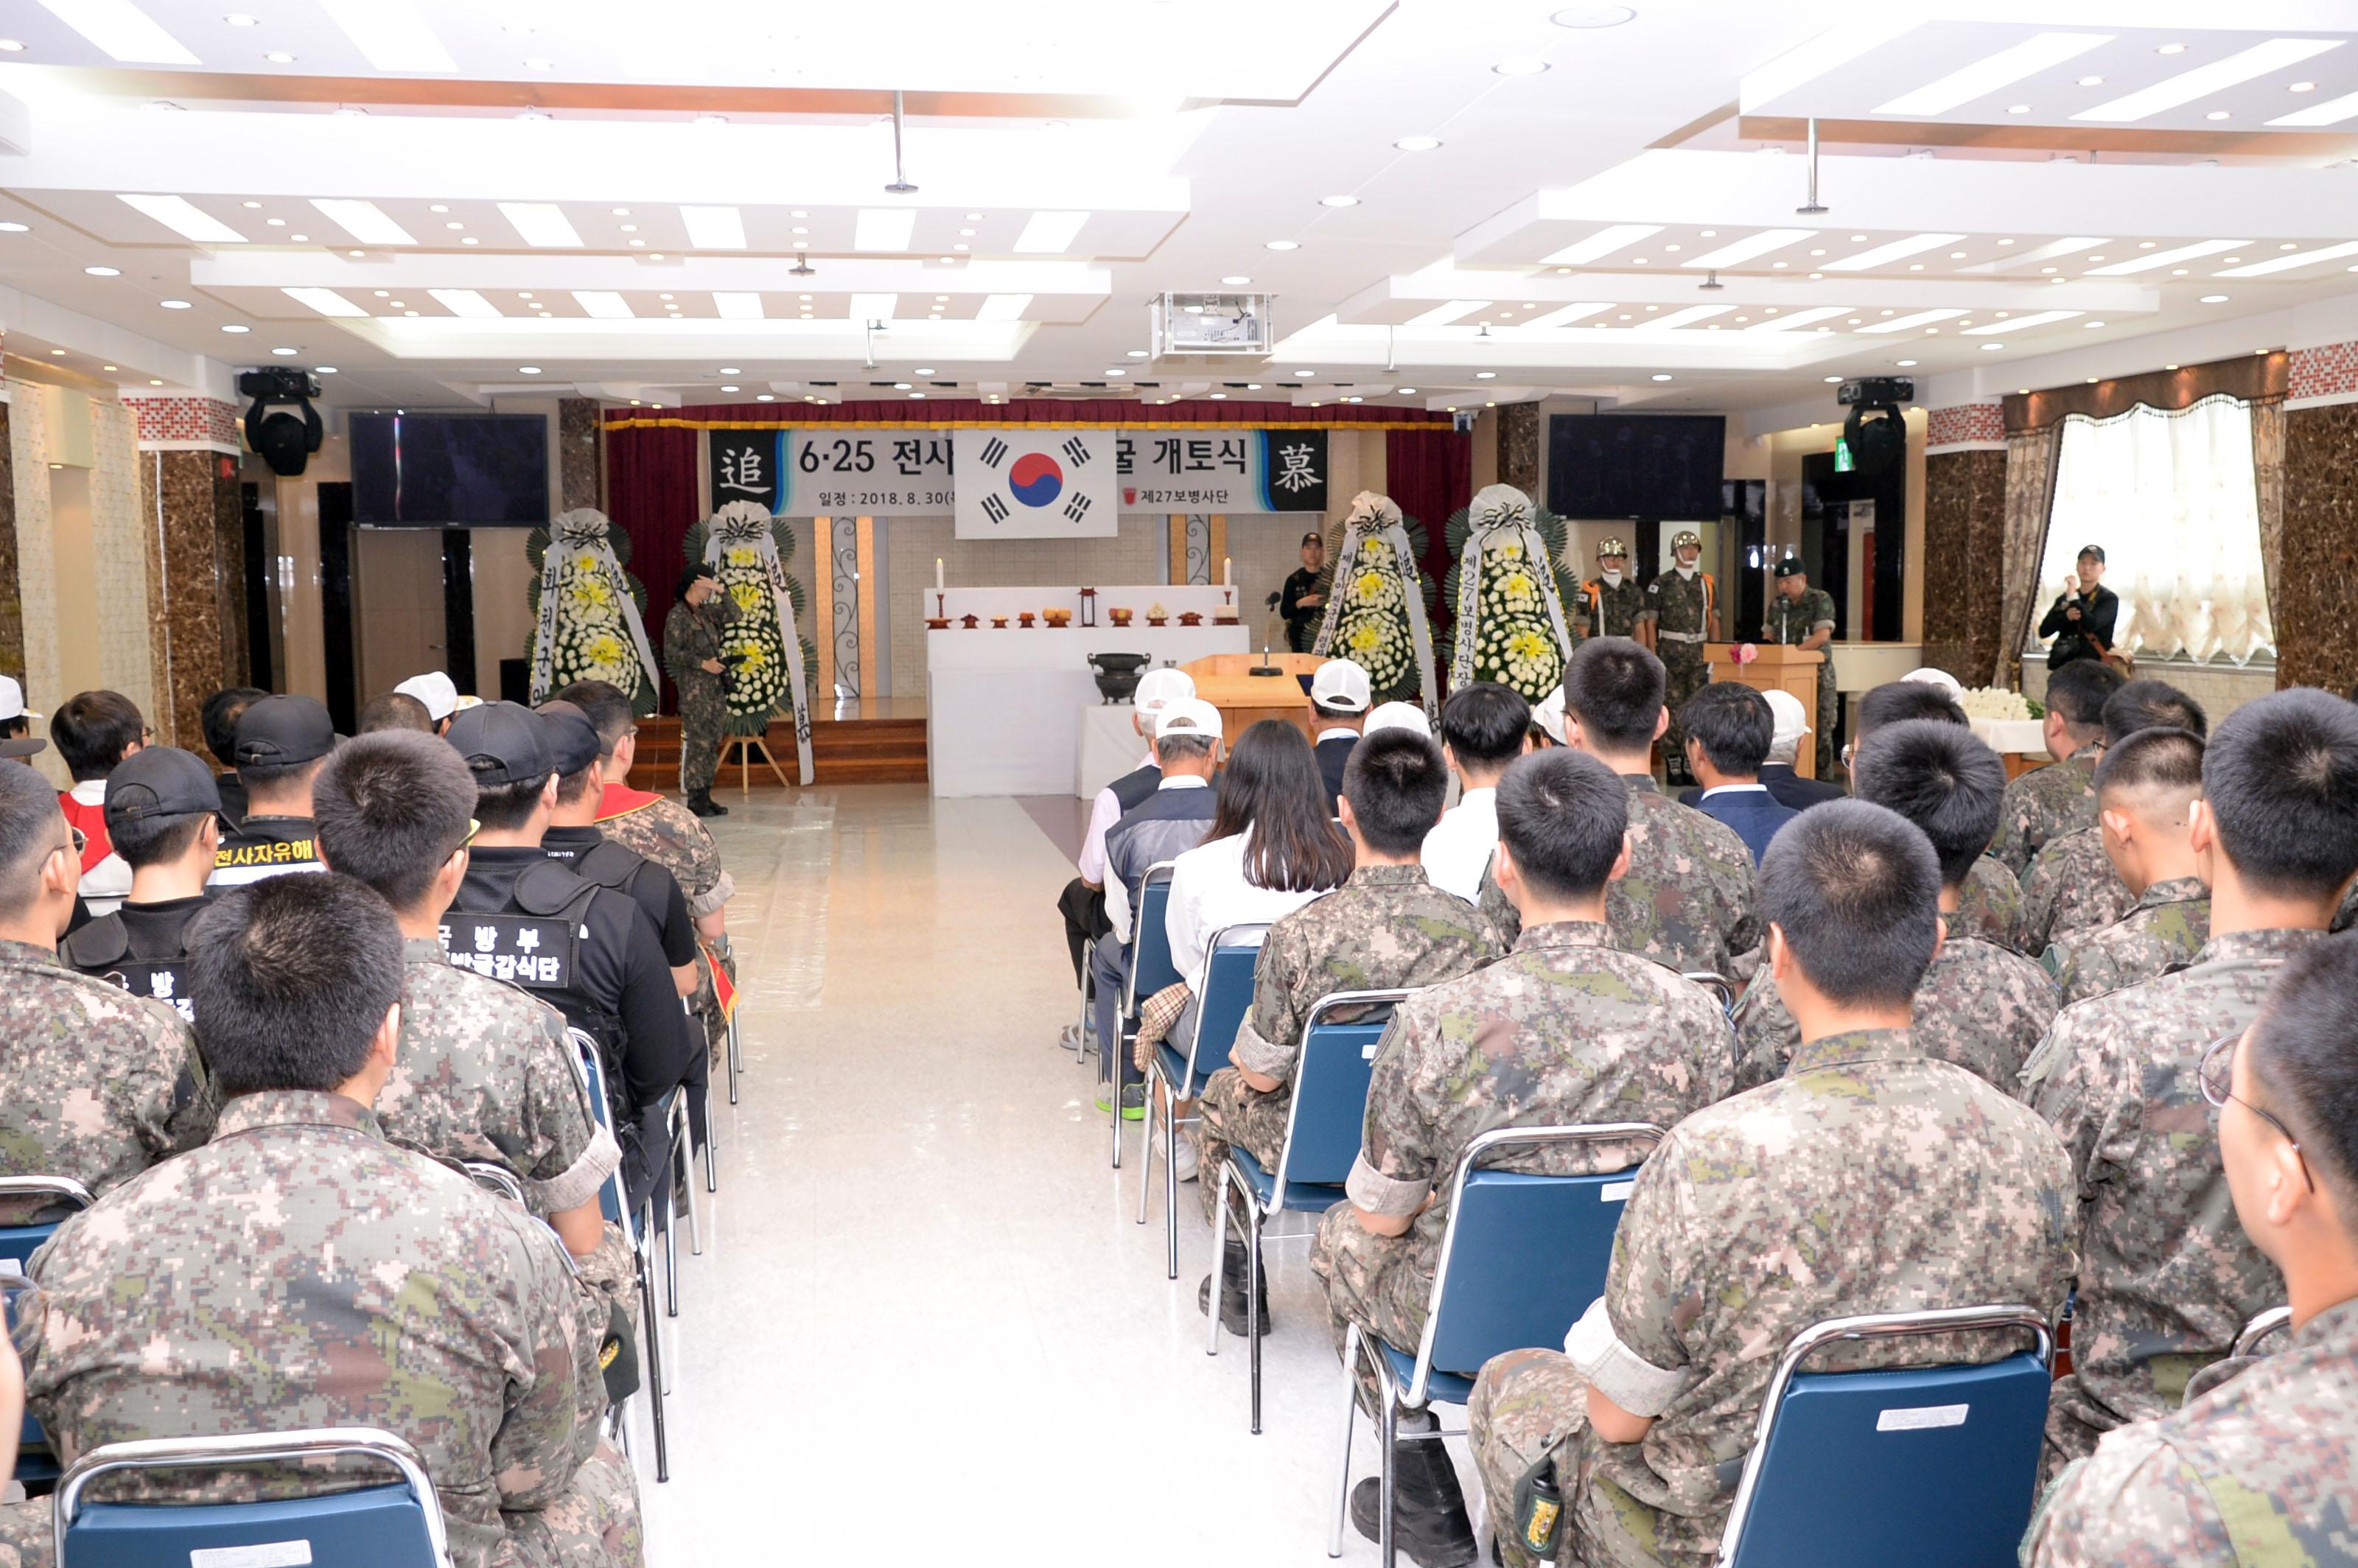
(1566, 1029)
(1803, 616)
(2166, 1280)
(1611, 602)
(299, 1270)
(1645, 1419)
(2147, 785)
(1682, 614)
(2047, 803)
(2256, 1472)
(692, 653)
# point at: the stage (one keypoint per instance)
(875, 740)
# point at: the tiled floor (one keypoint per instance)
(925, 1325)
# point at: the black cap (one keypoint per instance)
(572, 739)
(502, 743)
(22, 746)
(280, 731)
(157, 782)
(1313, 537)
(1791, 567)
(2095, 550)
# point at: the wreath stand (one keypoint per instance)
(742, 748)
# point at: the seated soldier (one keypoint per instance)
(2146, 785)
(2047, 803)
(393, 710)
(95, 731)
(574, 841)
(1568, 1029)
(1728, 729)
(94, 1085)
(281, 744)
(1980, 1006)
(2165, 1278)
(2257, 1471)
(1989, 905)
(1687, 900)
(369, 1285)
(1484, 726)
(163, 818)
(1386, 928)
(1647, 1416)
(218, 719)
(2072, 885)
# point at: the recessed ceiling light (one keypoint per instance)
(323, 369)
(1905, 363)
(2288, 245)
(1281, 245)
(1417, 144)
(2006, 241)
(2090, 324)
(763, 397)
(2171, 49)
(1831, 380)
(279, 56)
(233, 327)
(284, 352)
(275, 222)
(60, 353)
(1521, 65)
(1305, 373)
(11, 46)
(1116, 370)
(104, 271)
(1253, 386)
(2018, 108)
(174, 304)
(1988, 347)
(2231, 261)
(638, 241)
(2215, 300)
(1956, 256)
(1138, 353)
(14, 228)
(1338, 202)
(155, 381)
(1486, 375)
(900, 386)
(110, 367)
(1661, 378)
(733, 369)
(2219, 114)
(2092, 81)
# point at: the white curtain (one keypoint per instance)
(2173, 501)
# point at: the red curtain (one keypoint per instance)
(651, 495)
(1430, 474)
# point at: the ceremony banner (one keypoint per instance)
(1036, 485)
(1223, 471)
(746, 467)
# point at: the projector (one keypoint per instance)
(1212, 324)
(1871, 391)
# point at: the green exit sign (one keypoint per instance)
(1841, 455)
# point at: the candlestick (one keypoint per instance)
(938, 571)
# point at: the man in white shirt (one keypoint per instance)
(1083, 902)
(94, 731)
(1339, 694)
(1484, 727)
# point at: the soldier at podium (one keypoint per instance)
(1803, 616)
(1611, 602)
(1680, 614)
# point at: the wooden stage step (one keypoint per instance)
(843, 752)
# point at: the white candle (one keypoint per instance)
(937, 574)
(1225, 579)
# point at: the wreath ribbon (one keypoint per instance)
(1376, 516)
(1501, 516)
(745, 524)
(579, 537)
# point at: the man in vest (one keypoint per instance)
(163, 815)
(574, 840)
(1611, 602)
(94, 731)
(1682, 614)
(282, 743)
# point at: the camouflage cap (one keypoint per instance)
(1687, 536)
(1613, 546)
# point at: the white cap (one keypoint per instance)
(436, 690)
(1792, 719)
(1928, 676)
(1158, 688)
(12, 700)
(1550, 716)
(1397, 716)
(1186, 716)
(1340, 684)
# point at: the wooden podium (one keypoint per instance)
(1779, 668)
(1245, 699)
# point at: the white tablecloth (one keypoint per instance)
(2018, 737)
(1109, 747)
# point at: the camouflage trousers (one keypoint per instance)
(1528, 1405)
(1688, 673)
(1234, 1112)
(1379, 1282)
(703, 715)
(1829, 704)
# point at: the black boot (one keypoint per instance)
(1428, 1521)
(1234, 1313)
(702, 803)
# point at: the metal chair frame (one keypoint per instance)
(1126, 1006)
(634, 1227)
(1716, 983)
(190, 1453)
(495, 1179)
(1843, 1330)
(734, 1054)
(2273, 1321)
(1254, 1215)
(1391, 1399)
(1168, 1101)
(42, 1466)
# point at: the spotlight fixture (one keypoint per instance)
(1875, 433)
(284, 441)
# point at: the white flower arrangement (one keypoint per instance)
(758, 686)
(593, 639)
(1516, 646)
(1994, 702)
(1371, 625)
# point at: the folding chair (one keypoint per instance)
(1719, 985)
(1492, 1289)
(495, 1179)
(395, 1525)
(34, 1462)
(1081, 1048)
(1150, 969)
(613, 1202)
(1228, 969)
(1938, 1466)
(1323, 1128)
(2271, 1322)
(734, 1054)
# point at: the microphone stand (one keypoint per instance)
(1265, 668)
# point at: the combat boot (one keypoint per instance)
(702, 803)
(1429, 1520)
(1234, 1314)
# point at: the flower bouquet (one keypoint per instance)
(1510, 626)
(751, 544)
(589, 614)
(1995, 702)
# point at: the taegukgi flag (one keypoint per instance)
(1016, 483)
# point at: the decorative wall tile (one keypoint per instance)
(1966, 422)
(186, 422)
(2328, 371)
(121, 538)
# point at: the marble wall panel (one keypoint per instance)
(2317, 610)
(190, 586)
(1518, 448)
(579, 467)
(1964, 507)
(229, 575)
(122, 535)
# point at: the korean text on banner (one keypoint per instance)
(1053, 484)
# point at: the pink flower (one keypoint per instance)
(1745, 653)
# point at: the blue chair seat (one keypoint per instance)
(1175, 1074)
(373, 1526)
(1440, 1388)
(1300, 1197)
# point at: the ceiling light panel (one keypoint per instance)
(363, 221)
(604, 305)
(1442, 314)
(2043, 51)
(1003, 308)
(391, 34)
(2153, 259)
(326, 301)
(1897, 250)
(1049, 233)
(2205, 79)
(738, 306)
(2286, 263)
(542, 224)
(873, 307)
(714, 228)
(1692, 313)
(883, 229)
(1564, 316)
(1601, 244)
(2332, 111)
(2020, 323)
(1810, 317)
(464, 302)
(186, 220)
(1751, 245)
(1906, 323)
(121, 29)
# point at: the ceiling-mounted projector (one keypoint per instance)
(1225, 324)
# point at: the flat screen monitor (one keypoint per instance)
(449, 470)
(1636, 465)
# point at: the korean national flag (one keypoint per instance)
(1036, 485)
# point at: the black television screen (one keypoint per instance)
(449, 470)
(1636, 465)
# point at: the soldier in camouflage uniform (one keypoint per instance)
(1802, 617)
(2147, 785)
(2166, 1280)
(2256, 1472)
(692, 637)
(1566, 1030)
(1687, 900)
(1979, 1006)
(96, 1085)
(1682, 614)
(2071, 887)
(1989, 905)
(385, 1291)
(1924, 1187)
(2047, 803)
(1611, 602)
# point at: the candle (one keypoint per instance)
(1225, 579)
(937, 574)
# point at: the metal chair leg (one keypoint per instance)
(683, 1170)
(711, 1159)
(653, 1385)
(671, 1256)
(1388, 1489)
(1352, 1345)
(1220, 1263)
(1171, 1184)
(1109, 1070)
(1252, 1310)
(1146, 1146)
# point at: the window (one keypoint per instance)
(2171, 498)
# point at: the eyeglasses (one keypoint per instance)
(2217, 1071)
(1849, 752)
(80, 839)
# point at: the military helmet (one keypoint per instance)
(1615, 547)
(1687, 536)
